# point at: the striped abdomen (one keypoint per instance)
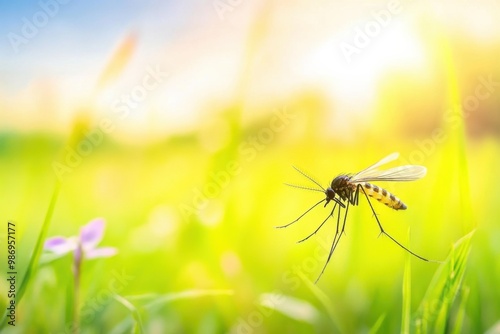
(383, 196)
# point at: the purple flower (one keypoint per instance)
(86, 243)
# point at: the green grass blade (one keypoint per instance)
(457, 145)
(35, 257)
(154, 302)
(291, 307)
(376, 326)
(461, 311)
(406, 313)
(188, 294)
(138, 327)
(320, 295)
(434, 312)
(495, 329)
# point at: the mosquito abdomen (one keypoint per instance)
(383, 196)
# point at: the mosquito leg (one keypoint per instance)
(382, 231)
(356, 195)
(302, 215)
(324, 221)
(345, 218)
(336, 240)
(337, 201)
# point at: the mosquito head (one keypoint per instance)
(330, 194)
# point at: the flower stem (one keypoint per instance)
(77, 265)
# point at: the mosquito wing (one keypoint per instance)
(401, 173)
(387, 159)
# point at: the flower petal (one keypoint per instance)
(60, 245)
(100, 252)
(92, 233)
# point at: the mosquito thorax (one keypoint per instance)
(340, 182)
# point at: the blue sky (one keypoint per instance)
(78, 33)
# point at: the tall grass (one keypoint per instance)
(29, 275)
(406, 313)
(435, 312)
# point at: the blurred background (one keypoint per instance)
(179, 123)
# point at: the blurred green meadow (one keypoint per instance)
(209, 267)
(192, 212)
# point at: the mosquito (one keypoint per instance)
(345, 189)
